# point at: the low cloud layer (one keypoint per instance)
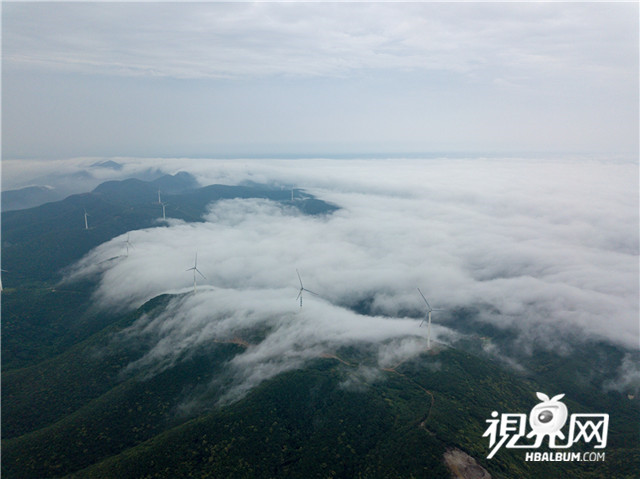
(627, 377)
(277, 335)
(538, 246)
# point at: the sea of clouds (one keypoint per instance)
(540, 246)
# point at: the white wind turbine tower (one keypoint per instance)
(128, 244)
(164, 216)
(159, 200)
(4, 271)
(429, 309)
(302, 288)
(195, 268)
(86, 223)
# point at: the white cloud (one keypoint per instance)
(218, 40)
(627, 376)
(539, 246)
(201, 79)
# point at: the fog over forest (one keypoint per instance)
(549, 248)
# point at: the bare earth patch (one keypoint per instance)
(463, 466)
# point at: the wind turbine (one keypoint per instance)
(128, 244)
(164, 217)
(159, 200)
(195, 268)
(86, 223)
(429, 309)
(302, 288)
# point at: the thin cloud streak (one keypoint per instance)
(223, 40)
(239, 79)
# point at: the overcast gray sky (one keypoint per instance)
(215, 79)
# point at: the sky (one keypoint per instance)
(284, 79)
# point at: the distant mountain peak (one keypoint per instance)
(110, 164)
(178, 183)
(29, 197)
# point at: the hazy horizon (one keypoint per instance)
(246, 79)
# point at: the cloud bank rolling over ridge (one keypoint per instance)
(541, 247)
(547, 248)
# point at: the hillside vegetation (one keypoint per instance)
(72, 406)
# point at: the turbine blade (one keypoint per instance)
(309, 291)
(299, 294)
(425, 299)
(421, 323)
(196, 269)
(299, 279)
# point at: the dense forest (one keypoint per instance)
(73, 408)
